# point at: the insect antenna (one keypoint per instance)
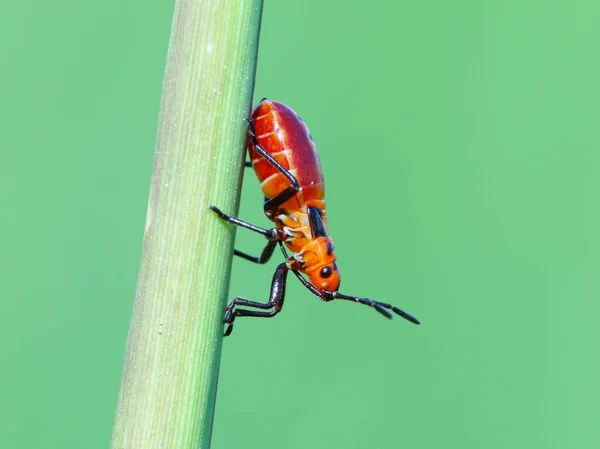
(379, 306)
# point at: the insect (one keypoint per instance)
(286, 163)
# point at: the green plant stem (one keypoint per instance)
(174, 346)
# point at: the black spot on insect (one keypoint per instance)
(326, 272)
(335, 266)
(330, 248)
(316, 222)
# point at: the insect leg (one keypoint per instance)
(264, 257)
(275, 302)
(268, 233)
(273, 204)
(247, 163)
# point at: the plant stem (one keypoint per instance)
(174, 346)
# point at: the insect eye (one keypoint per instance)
(326, 272)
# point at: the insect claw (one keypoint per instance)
(219, 212)
(229, 318)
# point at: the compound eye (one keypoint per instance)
(326, 272)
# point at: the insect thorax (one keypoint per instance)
(295, 228)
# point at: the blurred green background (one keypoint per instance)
(460, 143)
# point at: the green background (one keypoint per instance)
(460, 143)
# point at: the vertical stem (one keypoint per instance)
(174, 345)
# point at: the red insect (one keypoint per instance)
(285, 160)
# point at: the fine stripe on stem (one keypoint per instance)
(174, 345)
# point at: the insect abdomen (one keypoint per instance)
(282, 134)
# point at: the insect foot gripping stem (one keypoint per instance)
(275, 301)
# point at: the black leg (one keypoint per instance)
(268, 233)
(276, 299)
(248, 164)
(264, 257)
(273, 204)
